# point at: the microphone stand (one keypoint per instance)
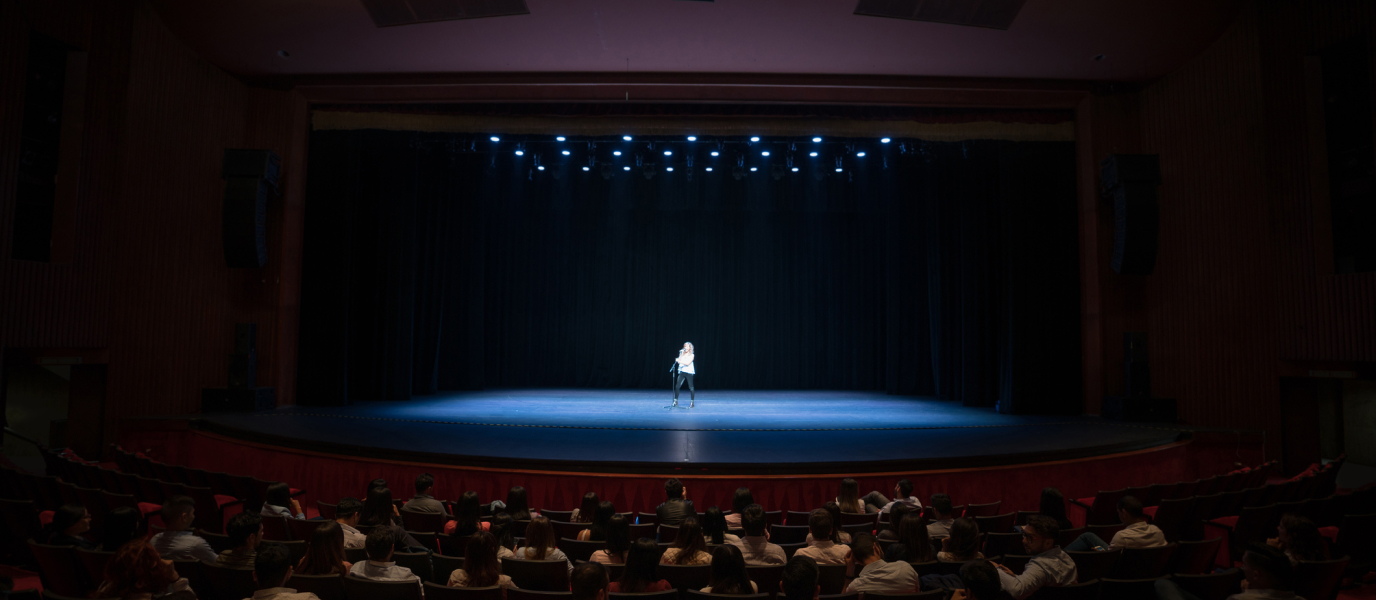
(673, 378)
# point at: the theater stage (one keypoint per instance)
(632, 431)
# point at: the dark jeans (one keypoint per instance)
(1086, 542)
(678, 383)
(874, 502)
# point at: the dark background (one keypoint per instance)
(952, 270)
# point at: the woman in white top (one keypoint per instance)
(618, 542)
(278, 502)
(540, 543)
(686, 370)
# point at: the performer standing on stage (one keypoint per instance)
(684, 365)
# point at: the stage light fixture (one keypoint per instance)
(520, 152)
(812, 154)
(715, 153)
(587, 169)
(839, 168)
(668, 152)
(626, 138)
(753, 139)
(541, 167)
(668, 169)
(765, 153)
(625, 168)
(495, 138)
(753, 169)
(616, 153)
(816, 140)
(860, 154)
(559, 139)
(884, 140)
(692, 138)
(566, 153)
(709, 169)
(795, 169)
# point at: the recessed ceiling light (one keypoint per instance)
(566, 153)
(626, 137)
(559, 139)
(884, 140)
(816, 139)
(812, 154)
(625, 168)
(765, 153)
(755, 139)
(715, 153)
(495, 138)
(616, 153)
(860, 153)
(692, 138)
(668, 152)
(753, 169)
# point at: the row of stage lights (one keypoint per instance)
(858, 153)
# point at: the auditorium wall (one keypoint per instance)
(146, 279)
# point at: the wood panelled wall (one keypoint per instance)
(148, 280)
(1244, 289)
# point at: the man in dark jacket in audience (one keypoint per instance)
(424, 502)
(677, 506)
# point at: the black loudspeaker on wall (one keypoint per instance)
(251, 178)
(1136, 404)
(1130, 180)
(240, 393)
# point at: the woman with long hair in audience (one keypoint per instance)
(1300, 539)
(481, 568)
(1053, 505)
(540, 543)
(690, 547)
(848, 497)
(728, 573)
(379, 511)
(742, 499)
(69, 522)
(618, 542)
(585, 511)
(600, 518)
(517, 504)
(838, 536)
(467, 517)
(506, 539)
(913, 544)
(714, 528)
(639, 576)
(122, 524)
(277, 502)
(325, 552)
(137, 571)
(963, 544)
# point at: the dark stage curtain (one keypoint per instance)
(946, 269)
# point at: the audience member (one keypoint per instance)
(589, 582)
(913, 545)
(122, 523)
(468, 513)
(1049, 565)
(1299, 539)
(600, 517)
(676, 506)
(69, 522)
(821, 549)
(325, 552)
(585, 511)
(728, 573)
(799, 578)
(506, 538)
(137, 570)
(838, 535)
(963, 545)
(376, 483)
(1053, 505)
(888, 532)
(848, 497)
(271, 571)
(540, 543)
(1138, 533)
(518, 505)
(980, 580)
(245, 531)
(755, 546)
(714, 528)
(742, 499)
(380, 566)
(871, 573)
(277, 502)
(690, 547)
(618, 542)
(902, 494)
(639, 575)
(1268, 576)
(424, 501)
(941, 509)
(177, 542)
(348, 513)
(481, 568)
(380, 513)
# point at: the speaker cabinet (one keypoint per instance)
(243, 371)
(1136, 368)
(245, 338)
(251, 178)
(1130, 181)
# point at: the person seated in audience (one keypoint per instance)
(838, 535)
(423, 501)
(799, 579)
(1267, 572)
(1299, 539)
(467, 519)
(1138, 533)
(271, 571)
(618, 542)
(69, 522)
(589, 582)
(902, 494)
(481, 568)
(888, 532)
(848, 497)
(755, 544)
(980, 581)
(676, 506)
(728, 573)
(325, 552)
(742, 499)
(601, 516)
(1049, 565)
(122, 523)
(871, 573)
(1053, 505)
(178, 543)
(137, 570)
(506, 538)
(585, 511)
(518, 505)
(690, 547)
(376, 483)
(380, 566)
(277, 502)
(540, 543)
(348, 513)
(913, 545)
(963, 545)
(245, 531)
(639, 575)
(380, 513)
(822, 550)
(942, 508)
(714, 528)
